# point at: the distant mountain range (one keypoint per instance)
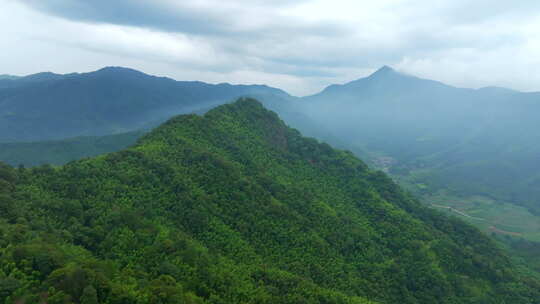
(405, 109)
(112, 100)
(473, 141)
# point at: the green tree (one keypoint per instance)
(89, 295)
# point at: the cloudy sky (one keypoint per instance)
(300, 46)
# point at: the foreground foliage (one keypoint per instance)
(234, 207)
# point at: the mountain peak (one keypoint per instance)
(384, 70)
(118, 69)
(42, 76)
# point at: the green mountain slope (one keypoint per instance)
(235, 207)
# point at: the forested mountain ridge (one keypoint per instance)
(47, 106)
(235, 207)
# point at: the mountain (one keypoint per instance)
(16, 81)
(112, 100)
(59, 152)
(439, 140)
(235, 207)
(9, 77)
(466, 142)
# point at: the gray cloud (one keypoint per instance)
(194, 17)
(299, 45)
(154, 14)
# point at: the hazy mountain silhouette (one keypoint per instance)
(111, 100)
(486, 137)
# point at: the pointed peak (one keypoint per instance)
(384, 70)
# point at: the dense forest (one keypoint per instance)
(235, 207)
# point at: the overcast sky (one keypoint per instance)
(300, 46)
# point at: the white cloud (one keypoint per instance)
(300, 46)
